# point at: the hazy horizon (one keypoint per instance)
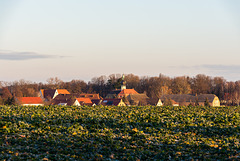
(84, 39)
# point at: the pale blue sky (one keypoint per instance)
(80, 39)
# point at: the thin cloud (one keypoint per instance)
(223, 67)
(230, 72)
(13, 55)
(209, 67)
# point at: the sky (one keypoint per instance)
(79, 39)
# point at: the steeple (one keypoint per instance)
(123, 83)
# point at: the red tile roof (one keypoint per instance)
(126, 92)
(91, 96)
(84, 100)
(62, 91)
(49, 93)
(30, 100)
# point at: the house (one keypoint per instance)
(138, 99)
(187, 99)
(154, 102)
(67, 100)
(85, 101)
(113, 102)
(49, 94)
(29, 101)
(91, 96)
(126, 92)
(96, 102)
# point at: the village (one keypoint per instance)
(117, 97)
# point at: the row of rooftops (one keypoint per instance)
(63, 97)
(130, 96)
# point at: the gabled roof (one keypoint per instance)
(42, 92)
(128, 91)
(111, 102)
(30, 100)
(86, 101)
(91, 96)
(62, 91)
(153, 101)
(48, 93)
(180, 97)
(202, 97)
(189, 98)
(137, 96)
(51, 92)
(138, 99)
(173, 102)
(63, 99)
(96, 101)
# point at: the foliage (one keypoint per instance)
(10, 101)
(119, 133)
(196, 102)
(206, 103)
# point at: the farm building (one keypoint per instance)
(143, 100)
(187, 99)
(154, 102)
(138, 99)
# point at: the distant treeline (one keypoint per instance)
(154, 87)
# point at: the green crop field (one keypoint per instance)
(119, 133)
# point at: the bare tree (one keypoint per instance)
(180, 85)
(98, 85)
(218, 84)
(156, 86)
(54, 82)
(201, 84)
(133, 81)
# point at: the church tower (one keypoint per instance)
(123, 83)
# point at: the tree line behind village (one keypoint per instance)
(228, 92)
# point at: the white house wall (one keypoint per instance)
(32, 104)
